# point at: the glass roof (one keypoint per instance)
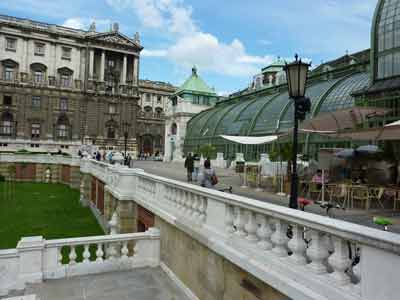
(387, 31)
(263, 115)
(315, 93)
(340, 97)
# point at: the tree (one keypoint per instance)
(208, 151)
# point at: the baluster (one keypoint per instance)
(99, 252)
(60, 256)
(298, 246)
(229, 219)
(86, 254)
(124, 250)
(189, 204)
(240, 222)
(179, 199)
(251, 227)
(185, 208)
(196, 208)
(264, 233)
(202, 209)
(317, 252)
(112, 252)
(280, 239)
(340, 261)
(72, 256)
(193, 205)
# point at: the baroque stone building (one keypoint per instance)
(154, 98)
(63, 87)
(193, 97)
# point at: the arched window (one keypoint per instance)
(38, 72)
(159, 112)
(6, 127)
(65, 76)
(111, 127)
(148, 111)
(174, 129)
(10, 69)
(62, 127)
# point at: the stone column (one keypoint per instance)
(124, 68)
(135, 69)
(91, 63)
(102, 65)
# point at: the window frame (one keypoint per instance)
(66, 53)
(4, 100)
(36, 102)
(63, 105)
(39, 49)
(35, 130)
(13, 42)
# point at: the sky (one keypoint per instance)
(228, 40)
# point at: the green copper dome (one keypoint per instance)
(196, 85)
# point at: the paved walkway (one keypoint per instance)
(228, 177)
(139, 284)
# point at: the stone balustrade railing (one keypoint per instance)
(304, 255)
(40, 159)
(36, 259)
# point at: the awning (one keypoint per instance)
(397, 123)
(251, 140)
(344, 119)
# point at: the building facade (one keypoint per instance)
(63, 87)
(193, 97)
(154, 99)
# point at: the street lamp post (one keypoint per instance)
(125, 128)
(296, 74)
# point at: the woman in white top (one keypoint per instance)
(208, 174)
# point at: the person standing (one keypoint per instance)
(189, 165)
(209, 177)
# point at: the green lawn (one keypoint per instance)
(50, 210)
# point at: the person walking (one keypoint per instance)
(189, 165)
(209, 177)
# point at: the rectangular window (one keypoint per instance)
(38, 76)
(39, 48)
(158, 99)
(35, 102)
(111, 63)
(62, 131)
(66, 53)
(6, 128)
(65, 80)
(148, 97)
(112, 109)
(8, 73)
(63, 104)
(35, 130)
(11, 44)
(7, 100)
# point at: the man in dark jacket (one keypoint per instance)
(189, 165)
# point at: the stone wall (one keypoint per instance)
(208, 275)
(36, 172)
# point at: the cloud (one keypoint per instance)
(84, 23)
(154, 53)
(191, 46)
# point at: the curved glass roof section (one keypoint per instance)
(387, 37)
(340, 97)
(269, 114)
(315, 92)
(238, 120)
